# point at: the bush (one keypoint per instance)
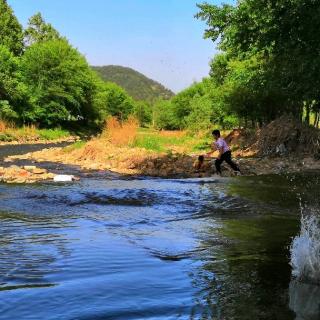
(120, 134)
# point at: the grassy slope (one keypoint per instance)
(136, 84)
(170, 141)
(27, 133)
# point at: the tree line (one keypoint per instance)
(46, 81)
(268, 65)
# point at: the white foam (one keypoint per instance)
(305, 250)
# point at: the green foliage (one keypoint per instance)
(13, 92)
(6, 111)
(181, 104)
(50, 83)
(270, 64)
(74, 146)
(110, 99)
(196, 108)
(4, 137)
(200, 116)
(53, 134)
(143, 112)
(172, 141)
(136, 84)
(30, 133)
(39, 31)
(163, 115)
(148, 142)
(61, 83)
(11, 35)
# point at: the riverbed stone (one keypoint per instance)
(39, 171)
(29, 168)
(16, 174)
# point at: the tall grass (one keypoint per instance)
(120, 134)
(148, 142)
(9, 132)
(176, 141)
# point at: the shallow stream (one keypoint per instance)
(113, 248)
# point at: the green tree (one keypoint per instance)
(112, 100)
(13, 93)
(11, 34)
(38, 30)
(163, 116)
(181, 104)
(201, 113)
(61, 82)
(282, 36)
(143, 112)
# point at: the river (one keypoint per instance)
(109, 247)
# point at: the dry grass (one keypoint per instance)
(5, 125)
(25, 133)
(120, 134)
(9, 132)
(172, 134)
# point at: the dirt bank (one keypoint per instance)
(284, 145)
(99, 155)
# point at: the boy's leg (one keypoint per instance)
(227, 157)
(218, 165)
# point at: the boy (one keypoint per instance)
(224, 152)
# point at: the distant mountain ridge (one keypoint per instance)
(135, 83)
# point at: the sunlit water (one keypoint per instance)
(154, 249)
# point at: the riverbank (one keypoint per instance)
(10, 134)
(69, 139)
(98, 154)
(283, 146)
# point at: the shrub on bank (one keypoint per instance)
(120, 133)
(9, 132)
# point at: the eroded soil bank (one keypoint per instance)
(99, 155)
(284, 145)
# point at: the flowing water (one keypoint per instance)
(113, 248)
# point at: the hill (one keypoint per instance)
(135, 83)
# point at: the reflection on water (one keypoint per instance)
(305, 300)
(153, 249)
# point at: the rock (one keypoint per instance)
(39, 171)
(29, 168)
(24, 173)
(65, 178)
(48, 176)
(131, 165)
(14, 167)
(150, 164)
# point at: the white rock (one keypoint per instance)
(63, 178)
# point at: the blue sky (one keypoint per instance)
(159, 38)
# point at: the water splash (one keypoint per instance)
(305, 250)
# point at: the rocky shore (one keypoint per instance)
(24, 174)
(32, 141)
(283, 146)
(99, 155)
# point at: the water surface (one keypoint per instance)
(154, 249)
